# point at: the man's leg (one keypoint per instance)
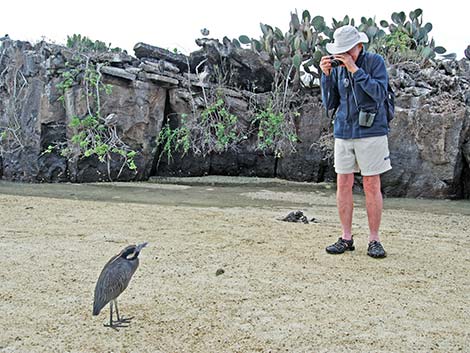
(344, 201)
(374, 204)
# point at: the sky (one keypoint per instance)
(177, 23)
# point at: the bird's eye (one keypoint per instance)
(131, 255)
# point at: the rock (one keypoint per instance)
(159, 67)
(133, 70)
(466, 151)
(161, 79)
(465, 171)
(115, 58)
(243, 163)
(166, 66)
(248, 70)
(143, 50)
(429, 139)
(296, 217)
(121, 73)
(195, 60)
(313, 158)
(467, 52)
(425, 140)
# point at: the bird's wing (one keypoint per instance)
(113, 280)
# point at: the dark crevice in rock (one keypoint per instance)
(465, 184)
(465, 175)
(169, 118)
(52, 165)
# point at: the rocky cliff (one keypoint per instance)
(429, 140)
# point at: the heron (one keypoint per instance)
(114, 279)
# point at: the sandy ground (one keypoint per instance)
(280, 291)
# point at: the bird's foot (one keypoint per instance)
(125, 320)
(116, 325)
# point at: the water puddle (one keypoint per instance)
(215, 191)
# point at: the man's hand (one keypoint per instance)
(347, 61)
(325, 65)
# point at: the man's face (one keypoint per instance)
(355, 51)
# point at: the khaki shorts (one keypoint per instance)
(368, 155)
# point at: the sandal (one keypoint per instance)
(340, 246)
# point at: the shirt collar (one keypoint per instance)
(360, 58)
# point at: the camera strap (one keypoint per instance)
(353, 89)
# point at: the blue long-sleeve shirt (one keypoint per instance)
(370, 89)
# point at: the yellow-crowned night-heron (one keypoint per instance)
(114, 279)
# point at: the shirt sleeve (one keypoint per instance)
(329, 88)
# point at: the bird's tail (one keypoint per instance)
(96, 309)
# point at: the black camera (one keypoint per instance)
(335, 62)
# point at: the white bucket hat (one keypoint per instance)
(346, 38)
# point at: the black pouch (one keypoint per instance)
(366, 119)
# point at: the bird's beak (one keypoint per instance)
(141, 246)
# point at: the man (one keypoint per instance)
(354, 83)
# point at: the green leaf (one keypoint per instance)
(295, 23)
(296, 43)
(428, 27)
(318, 23)
(398, 17)
(75, 122)
(440, 50)
(372, 31)
(296, 60)
(264, 29)
(310, 62)
(132, 165)
(402, 17)
(384, 23)
(244, 39)
(450, 56)
(278, 33)
(427, 52)
(236, 43)
(317, 56)
(306, 16)
(257, 45)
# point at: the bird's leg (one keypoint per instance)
(117, 311)
(120, 318)
(119, 322)
(111, 316)
(111, 313)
